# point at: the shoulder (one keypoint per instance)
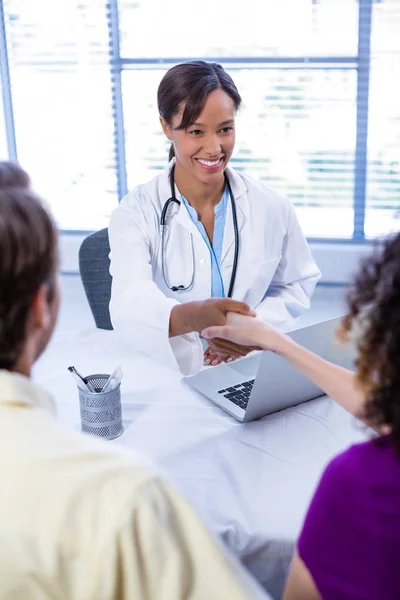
(347, 485)
(104, 462)
(101, 480)
(260, 191)
(347, 469)
(146, 193)
(92, 485)
(142, 206)
(361, 460)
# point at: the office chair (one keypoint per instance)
(94, 265)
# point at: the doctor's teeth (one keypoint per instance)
(209, 163)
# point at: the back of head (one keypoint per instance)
(28, 257)
(377, 288)
(190, 83)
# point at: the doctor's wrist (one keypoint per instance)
(183, 319)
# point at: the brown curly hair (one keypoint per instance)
(377, 289)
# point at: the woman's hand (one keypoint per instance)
(338, 383)
(242, 330)
(236, 338)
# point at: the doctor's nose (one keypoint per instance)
(212, 145)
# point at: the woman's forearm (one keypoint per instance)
(336, 382)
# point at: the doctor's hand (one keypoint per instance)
(248, 331)
(217, 352)
(196, 316)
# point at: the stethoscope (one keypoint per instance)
(173, 198)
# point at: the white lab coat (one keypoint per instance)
(276, 273)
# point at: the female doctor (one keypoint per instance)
(201, 230)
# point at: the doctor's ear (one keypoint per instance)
(166, 128)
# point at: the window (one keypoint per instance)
(288, 135)
(383, 183)
(320, 119)
(302, 69)
(61, 91)
(260, 28)
(3, 139)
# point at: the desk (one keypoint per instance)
(251, 482)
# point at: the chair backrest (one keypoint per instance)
(94, 267)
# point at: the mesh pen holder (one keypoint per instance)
(101, 413)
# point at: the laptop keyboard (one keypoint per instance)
(239, 394)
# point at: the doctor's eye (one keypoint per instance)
(195, 132)
(226, 129)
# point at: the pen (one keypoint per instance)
(81, 382)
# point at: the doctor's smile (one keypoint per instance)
(210, 165)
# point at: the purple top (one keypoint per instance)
(350, 540)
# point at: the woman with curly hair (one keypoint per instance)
(349, 547)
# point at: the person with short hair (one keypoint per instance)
(79, 519)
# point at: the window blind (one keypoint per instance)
(61, 90)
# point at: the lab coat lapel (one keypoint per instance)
(239, 189)
(178, 217)
(177, 214)
(181, 238)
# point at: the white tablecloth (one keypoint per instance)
(251, 482)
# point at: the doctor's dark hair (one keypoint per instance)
(377, 289)
(28, 257)
(190, 83)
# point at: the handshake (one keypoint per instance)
(211, 315)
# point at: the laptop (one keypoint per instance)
(263, 382)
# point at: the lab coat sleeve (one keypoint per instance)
(140, 312)
(293, 284)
